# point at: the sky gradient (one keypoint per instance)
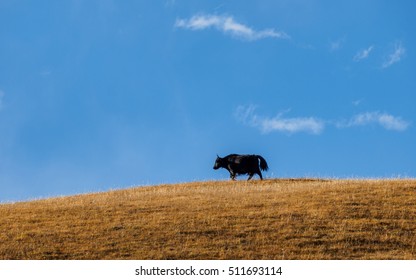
(97, 95)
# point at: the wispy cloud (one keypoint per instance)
(357, 102)
(170, 3)
(314, 125)
(337, 44)
(385, 120)
(279, 123)
(363, 54)
(228, 25)
(395, 56)
(291, 125)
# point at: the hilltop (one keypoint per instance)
(270, 219)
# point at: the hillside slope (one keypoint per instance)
(270, 219)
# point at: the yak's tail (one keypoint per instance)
(263, 163)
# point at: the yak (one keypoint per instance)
(242, 164)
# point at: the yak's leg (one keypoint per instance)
(250, 176)
(259, 173)
(232, 176)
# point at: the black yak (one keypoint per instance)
(242, 164)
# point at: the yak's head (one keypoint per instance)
(218, 163)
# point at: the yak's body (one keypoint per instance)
(242, 164)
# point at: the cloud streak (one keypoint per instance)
(228, 25)
(363, 54)
(337, 44)
(314, 125)
(279, 123)
(291, 125)
(395, 56)
(385, 120)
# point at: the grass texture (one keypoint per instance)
(272, 219)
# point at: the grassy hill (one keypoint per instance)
(270, 219)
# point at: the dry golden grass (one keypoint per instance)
(271, 219)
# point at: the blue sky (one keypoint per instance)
(97, 95)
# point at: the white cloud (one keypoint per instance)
(291, 125)
(228, 25)
(279, 123)
(314, 125)
(363, 54)
(385, 120)
(395, 56)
